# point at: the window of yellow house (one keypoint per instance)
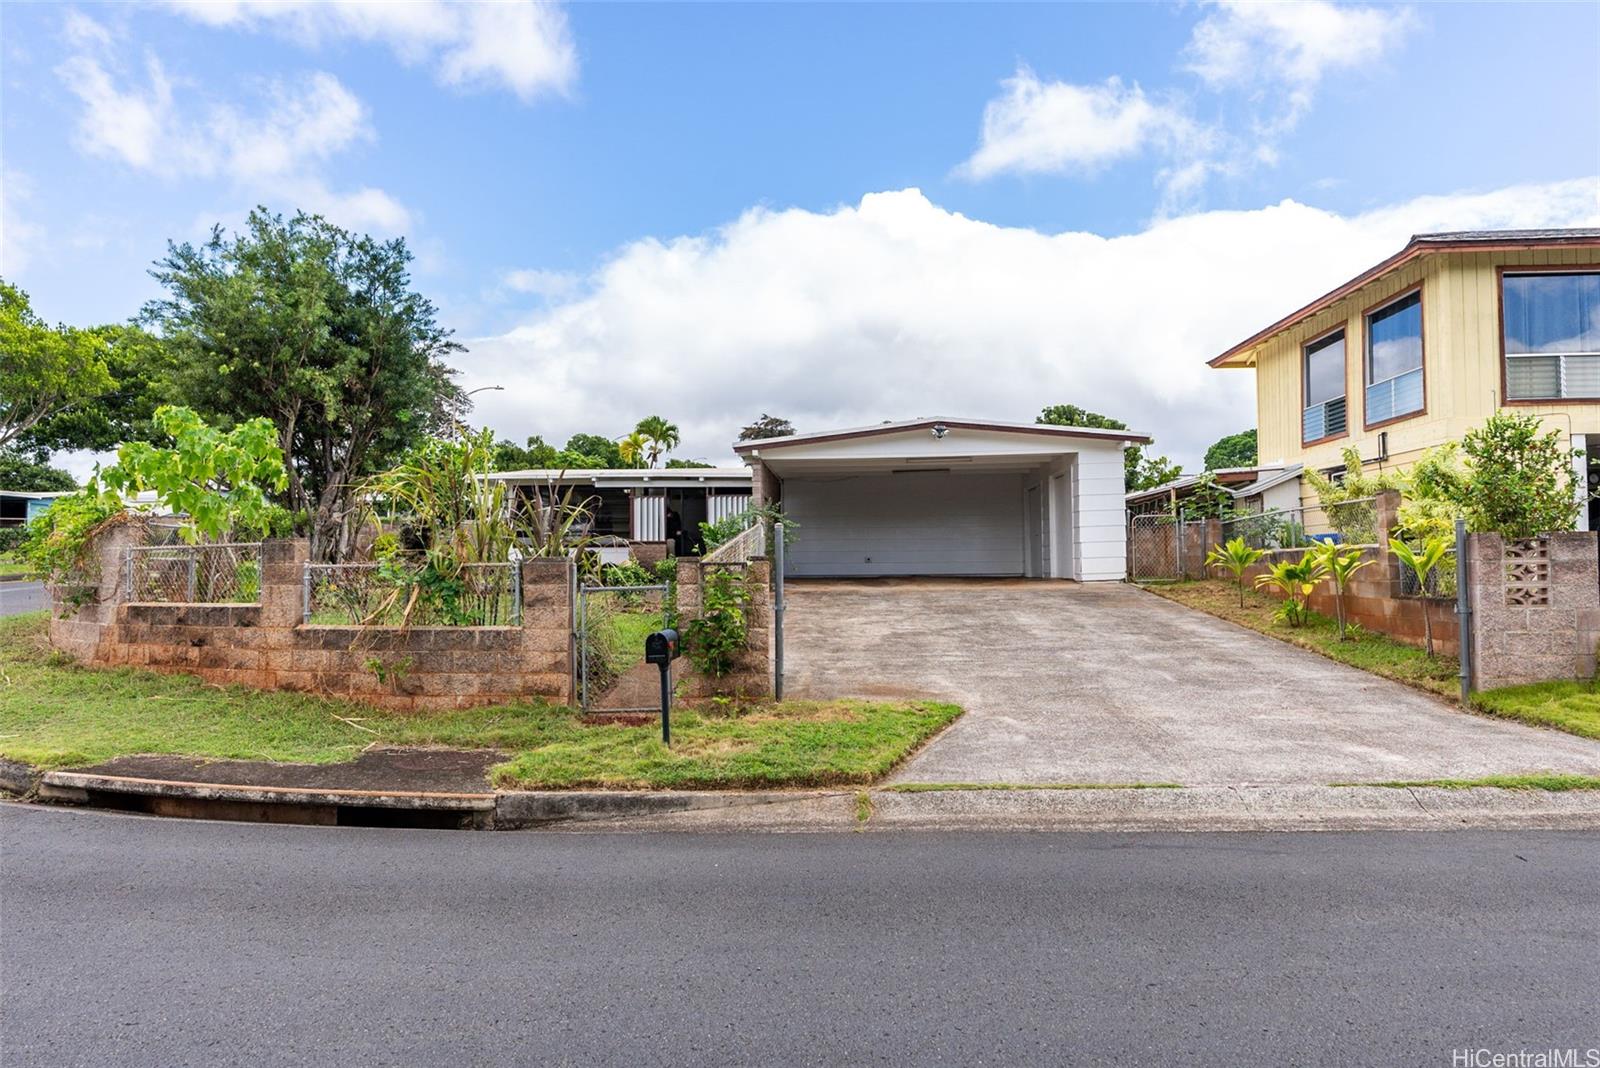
(1394, 360)
(1551, 334)
(1323, 414)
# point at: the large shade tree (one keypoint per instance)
(317, 329)
(1140, 470)
(1235, 450)
(45, 370)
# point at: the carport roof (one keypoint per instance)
(744, 448)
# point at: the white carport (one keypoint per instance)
(949, 497)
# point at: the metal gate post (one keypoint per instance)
(1463, 610)
(1177, 529)
(583, 649)
(777, 611)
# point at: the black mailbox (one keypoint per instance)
(661, 647)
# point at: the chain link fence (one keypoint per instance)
(1354, 522)
(612, 623)
(398, 594)
(219, 573)
(1441, 580)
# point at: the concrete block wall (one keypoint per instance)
(267, 646)
(1535, 608)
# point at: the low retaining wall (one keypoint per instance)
(267, 646)
(1373, 600)
(1535, 608)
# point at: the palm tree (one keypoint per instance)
(1422, 565)
(1237, 558)
(1341, 563)
(633, 448)
(662, 436)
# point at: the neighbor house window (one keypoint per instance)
(1552, 335)
(1323, 416)
(1394, 359)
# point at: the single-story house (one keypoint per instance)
(949, 497)
(630, 504)
(19, 507)
(1269, 488)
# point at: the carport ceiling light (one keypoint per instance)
(938, 459)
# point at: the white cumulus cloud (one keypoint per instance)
(896, 307)
(518, 45)
(1036, 126)
(275, 147)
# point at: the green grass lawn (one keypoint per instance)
(1571, 706)
(56, 714)
(1372, 652)
(10, 565)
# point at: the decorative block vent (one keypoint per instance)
(1527, 571)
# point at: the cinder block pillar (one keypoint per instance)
(283, 562)
(547, 624)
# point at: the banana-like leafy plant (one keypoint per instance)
(1422, 564)
(1340, 563)
(1295, 579)
(1236, 558)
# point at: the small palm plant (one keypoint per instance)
(1340, 563)
(1422, 565)
(1236, 558)
(1295, 579)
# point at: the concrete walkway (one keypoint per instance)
(1107, 683)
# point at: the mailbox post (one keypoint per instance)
(661, 649)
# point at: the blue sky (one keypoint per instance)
(841, 213)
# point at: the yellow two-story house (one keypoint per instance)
(1426, 345)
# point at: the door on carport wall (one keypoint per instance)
(911, 523)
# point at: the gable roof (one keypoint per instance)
(1133, 436)
(1419, 245)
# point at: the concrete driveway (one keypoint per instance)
(1107, 683)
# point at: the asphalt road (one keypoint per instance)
(19, 597)
(129, 940)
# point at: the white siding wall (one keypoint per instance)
(649, 518)
(720, 506)
(1102, 543)
(916, 524)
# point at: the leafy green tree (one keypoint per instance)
(688, 464)
(217, 481)
(1139, 470)
(1235, 450)
(592, 450)
(318, 330)
(44, 370)
(1520, 479)
(661, 435)
(767, 426)
(141, 382)
(28, 473)
(535, 455)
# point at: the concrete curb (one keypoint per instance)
(268, 804)
(1236, 808)
(538, 808)
(18, 778)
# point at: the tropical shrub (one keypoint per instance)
(730, 527)
(714, 640)
(1422, 564)
(1236, 558)
(1520, 483)
(1339, 563)
(1347, 502)
(1295, 579)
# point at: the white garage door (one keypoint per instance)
(925, 523)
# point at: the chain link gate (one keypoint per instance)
(1155, 547)
(610, 626)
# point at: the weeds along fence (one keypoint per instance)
(215, 573)
(403, 594)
